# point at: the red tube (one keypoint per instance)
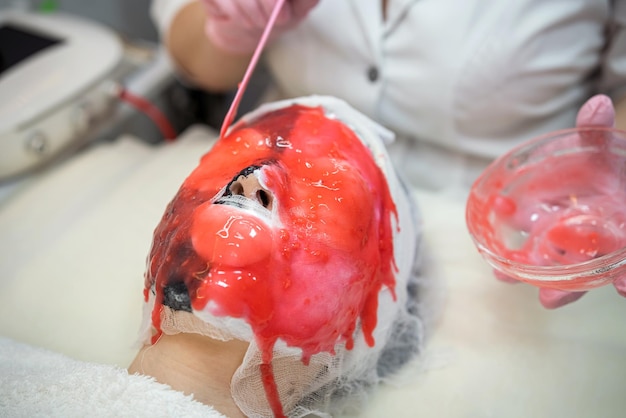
(144, 106)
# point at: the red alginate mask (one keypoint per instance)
(303, 263)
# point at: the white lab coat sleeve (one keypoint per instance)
(613, 77)
(163, 12)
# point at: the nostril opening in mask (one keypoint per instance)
(249, 187)
(264, 198)
(236, 188)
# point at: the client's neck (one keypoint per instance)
(194, 364)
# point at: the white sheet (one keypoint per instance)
(73, 244)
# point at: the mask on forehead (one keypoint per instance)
(294, 234)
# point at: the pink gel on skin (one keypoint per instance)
(307, 274)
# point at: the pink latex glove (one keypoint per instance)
(236, 25)
(597, 111)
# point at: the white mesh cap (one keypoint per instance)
(321, 277)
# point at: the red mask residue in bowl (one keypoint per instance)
(567, 211)
(307, 277)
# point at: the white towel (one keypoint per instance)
(39, 383)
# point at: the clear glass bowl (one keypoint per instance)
(552, 212)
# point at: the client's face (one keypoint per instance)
(285, 224)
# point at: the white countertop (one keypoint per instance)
(73, 244)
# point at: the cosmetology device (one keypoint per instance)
(55, 75)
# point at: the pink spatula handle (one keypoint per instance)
(232, 111)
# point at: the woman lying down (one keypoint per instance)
(281, 279)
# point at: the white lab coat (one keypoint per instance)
(460, 82)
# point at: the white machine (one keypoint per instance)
(55, 75)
